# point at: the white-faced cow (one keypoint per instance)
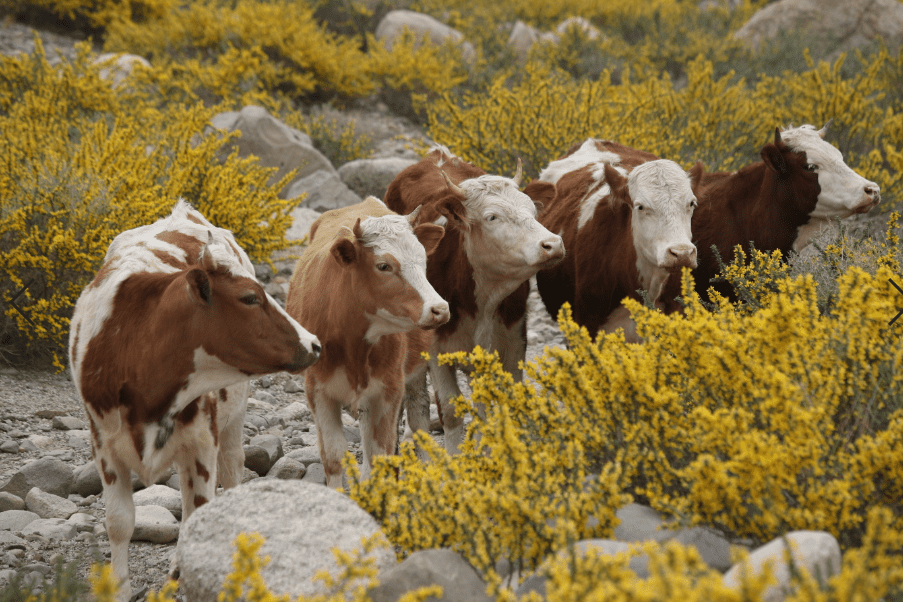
(777, 203)
(361, 286)
(625, 219)
(162, 345)
(492, 247)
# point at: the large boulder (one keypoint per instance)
(47, 474)
(443, 567)
(424, 27)
(371, 177)
(846, 23)
(301, 523)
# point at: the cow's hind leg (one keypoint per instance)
(379, 432)
(417, 408)
(120, 518)
(231, 459)
(330, 433)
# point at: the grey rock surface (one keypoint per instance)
(301, 524)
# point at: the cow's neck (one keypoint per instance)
(489, 291)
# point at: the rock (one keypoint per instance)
(287, 468)
(160, 495)
(118, 67)
(295, 411)
(47, 474)
(371, 177)
(424, 27)
(303, 218)
(9, 447)
(315, 474)
(27, 445)
(324, 190)
(173, 482)
(273, 142)
(41, 441)
(301, 524)
(291, 386)
(257, 459)
(815, 551)
(50, 413)
(47, 505)
(156, 524)
(267, 398)
(51, 528)
(849, 23)
(640, 523)
(273, 446)
(82, 522)
(79, 439)
(9, 501)
(266, 381)
(352, 434)
(306, 455)
(67, 423)
(87, 480)
(8, 540)
(16, 520)
(443, 567)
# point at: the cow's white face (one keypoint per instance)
(663, 204)
(396, 271)
(843, 191)
(505, 237)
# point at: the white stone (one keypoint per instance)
(51, 528)
(156, 524)
(47, 505)
(160, 495)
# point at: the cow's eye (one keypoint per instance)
(811, 167)
(639, 207)
(250, 299)
(383, 267)
(693, 204)
(491, 218)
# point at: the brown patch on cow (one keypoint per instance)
(101, 275)
(95, 434)
(74, 358)
(514, 306)
(210, 410)
(108, 477)
(201, 470)
(189, 412)
(168, 259)
(224, 395)
(187, 243)
(190, 483)
(199, 500)
(193, 218)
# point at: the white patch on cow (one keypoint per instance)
(587, 154)
(663, 204)
(392, 235)
(441, 221)
(843, 191)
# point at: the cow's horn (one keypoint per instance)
(412, 216)
(454, 187)
(519, 174)
(777, 135)
(206, 259)
(824, 131)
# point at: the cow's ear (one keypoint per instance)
(199, 286)
(453, 210)
(344, 252)
(429, 236)
(542, 193)
(206, 260)
(696, 172)
(774, 159)
(618, 185)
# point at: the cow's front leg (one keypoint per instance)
(233, 403)
(445, 384)
(379, 418)
(417, 408)
(120, 518)
(327, 413)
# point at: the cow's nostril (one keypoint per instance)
(315, 348)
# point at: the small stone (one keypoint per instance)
(160, 495)
(315, 474)
(49, 413)
(27, 446)
(352, 434)
(9, 447)
(87, 480)
(306, 455)
(257, 459)
(47, 505)
(155, 524)
(286, 468)
(266, 381)
(67, 423)
(9, 501)
(51, 528)
(16, 520)
(291, 386)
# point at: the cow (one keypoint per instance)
(625, 219)
(162, 346)
(493, 245)
(776, 203)
(361, 285)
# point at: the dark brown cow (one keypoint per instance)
(625, 219)
(162, 346)
(492, 247)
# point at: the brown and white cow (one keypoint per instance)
(162, 345)
(492, 246)
(777, 203)
(361, 285)
(625, 219)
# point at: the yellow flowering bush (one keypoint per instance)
(84, 162)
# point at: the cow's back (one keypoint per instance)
(424, 184)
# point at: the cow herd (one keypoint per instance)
(165, 338)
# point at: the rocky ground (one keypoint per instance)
(41, 416)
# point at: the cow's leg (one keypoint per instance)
(330, 434)
(120, 517)
(417, 407)
(231, 460)
(378, 418)
(512, 345)
(445, 384)
(197, 469)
